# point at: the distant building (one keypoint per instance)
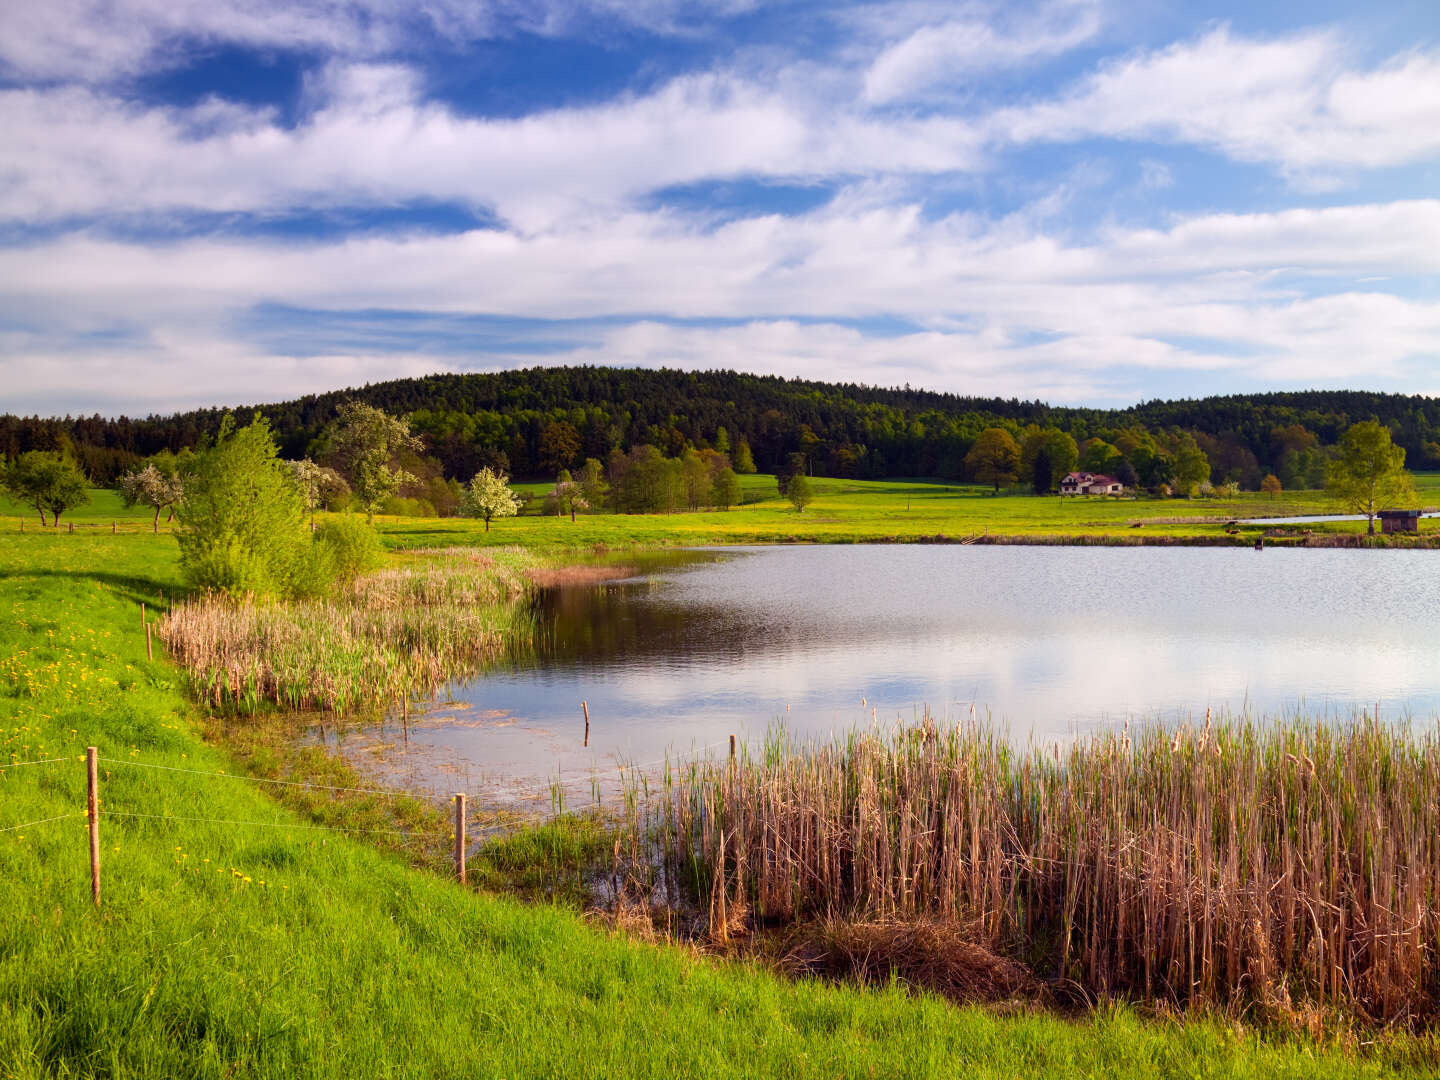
(1088, 483)
(1399, 521)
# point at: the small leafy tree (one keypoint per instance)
(727, 489)
(365, 444)
(488, 496)
(995, 458)
(568, 495)
(241, 526)
(151, 487)
(1192, 466)
(697, 480)
(1271, 485)
(744, 460)
(1369, 472)
(592, 484)
(47, 481)
(799, 492)
(317, 484)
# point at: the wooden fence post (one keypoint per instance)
(142, 612)
(149, 649)
(585, 706)
(112, 528)
(460, 836)
(92, 811)
(72, 526)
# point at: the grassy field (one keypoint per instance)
(235, 939)
(844, 511)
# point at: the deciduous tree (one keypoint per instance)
(47, 480)
(994, 458)
(365, 445)
(241, 525)
(1369, 472)
(799, 492)
(727, 489)
(150, 487)
(488, 496)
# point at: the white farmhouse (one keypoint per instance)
(1088, 483)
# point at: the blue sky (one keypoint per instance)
(1083, 201)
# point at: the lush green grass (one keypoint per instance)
(869, 511)
(237, 950)
(844, 511)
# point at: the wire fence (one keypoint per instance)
(483, 832)
(41, 761)
(42, 821)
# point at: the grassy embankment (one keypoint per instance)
(241, 950)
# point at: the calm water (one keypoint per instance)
(1052, 641)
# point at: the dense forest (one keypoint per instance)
(535, 422)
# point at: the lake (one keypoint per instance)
(1049, 641)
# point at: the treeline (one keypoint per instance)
(537, 422)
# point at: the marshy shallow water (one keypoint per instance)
(1050, 641)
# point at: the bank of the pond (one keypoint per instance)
(237, 939)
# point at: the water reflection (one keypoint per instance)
(1051, 641)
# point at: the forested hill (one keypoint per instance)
(540, 419)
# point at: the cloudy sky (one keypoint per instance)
(1084, 201)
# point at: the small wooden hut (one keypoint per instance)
(1392, 521)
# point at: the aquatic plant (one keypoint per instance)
(1274, 866)
(402, 631)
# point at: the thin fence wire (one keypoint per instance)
(42, 821)
(483, 832)
(42, 761)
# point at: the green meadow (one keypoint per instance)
(844, 511)
(243, 933)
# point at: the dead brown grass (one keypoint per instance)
(1268, 867)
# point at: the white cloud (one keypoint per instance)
(1288, 101)
(950, 53)
(372, 139)
(75, 152)
(1006, 307)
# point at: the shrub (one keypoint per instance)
(241, 525)
(349, 546)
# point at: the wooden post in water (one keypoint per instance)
(460, 836)
(585, 707)
(149, 648)
(732, 751)
(405, 716)
(92, 811)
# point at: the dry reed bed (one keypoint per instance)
(404, 630)
(1285, 867)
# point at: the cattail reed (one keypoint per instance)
(1243, 864)
(399, 631)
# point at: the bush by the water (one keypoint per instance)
(351, 546)
(242, 530)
